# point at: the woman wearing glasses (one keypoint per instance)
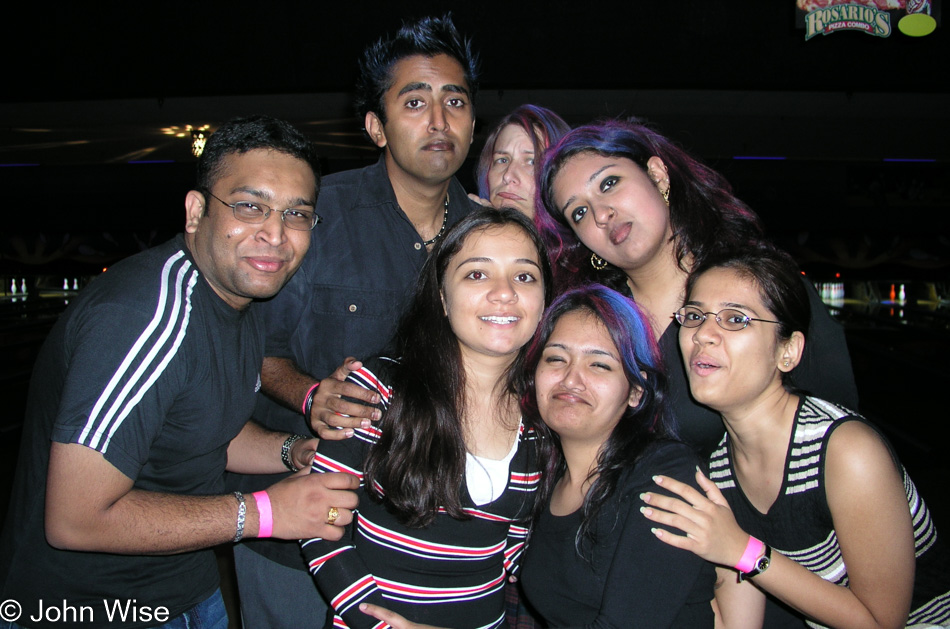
(809, 515)
(632, 210)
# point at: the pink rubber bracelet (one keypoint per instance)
(305, 407)
(265, 516)
(752, 552)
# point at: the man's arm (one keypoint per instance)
(283, 381)
(257, 450)
(92, 506)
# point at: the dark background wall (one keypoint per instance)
(88, 90)
(92, 94)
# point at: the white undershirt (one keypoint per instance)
(487, 478)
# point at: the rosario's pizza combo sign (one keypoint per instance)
(878, 18)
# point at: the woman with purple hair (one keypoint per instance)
(624, 206)
(506, 167)
(595, 378)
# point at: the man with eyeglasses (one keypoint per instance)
(415, 97)
(140, 400)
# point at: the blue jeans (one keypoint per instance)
(274, 596)
(208, 614)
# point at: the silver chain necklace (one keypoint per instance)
(445, 221)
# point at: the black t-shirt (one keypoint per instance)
(629, 578)
(155, 371)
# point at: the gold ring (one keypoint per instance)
(332, 515)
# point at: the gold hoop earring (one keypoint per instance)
(597, 262)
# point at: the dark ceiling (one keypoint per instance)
(96, 83)
(91, 90)
(77, 51)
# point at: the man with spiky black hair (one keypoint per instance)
(415, 97)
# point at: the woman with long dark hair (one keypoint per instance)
(506, 169)
(449, 474)
(595, 378)
(809, 514)
(628, 208)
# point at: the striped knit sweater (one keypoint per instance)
(451, 573)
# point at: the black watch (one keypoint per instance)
(761, 565)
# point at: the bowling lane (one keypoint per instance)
(899, 340)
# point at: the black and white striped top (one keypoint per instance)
(800, 526)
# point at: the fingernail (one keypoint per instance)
(657, 532)
(364, 424)
(645, 497)
(658, 480)
(349, 432)
(646, 511)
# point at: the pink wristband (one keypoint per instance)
(308, 400)
(265, 516)
(752, 552)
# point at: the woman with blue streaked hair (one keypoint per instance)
(595, 378)
(624, 206)
(505, 172)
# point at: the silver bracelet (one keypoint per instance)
(285, 452)
(242, 513)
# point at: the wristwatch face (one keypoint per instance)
(762, 564)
